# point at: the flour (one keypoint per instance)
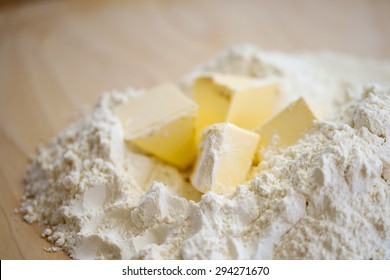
(325, 197)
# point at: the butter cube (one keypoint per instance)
(161, 121)
(224, 158)
(243, 101)
(290, 124)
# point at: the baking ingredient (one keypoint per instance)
(327, 196)
(245, 102)
(288, 125)
(161, 121)
(224, 158)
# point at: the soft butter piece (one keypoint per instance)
(224, 157)
(243, 101)
(161, 121)
(290, 124)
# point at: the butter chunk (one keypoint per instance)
(243, 101)
(290, 124)
(224, 158)
(161, 122)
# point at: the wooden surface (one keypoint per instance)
(56, 57)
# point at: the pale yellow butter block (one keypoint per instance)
(243, 101)
(224, 158)
(290, 124)
(161, 121)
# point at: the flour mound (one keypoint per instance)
(325, 197)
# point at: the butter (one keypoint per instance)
(224, 157)
(290, 124)
(161, 122)
(243, 101)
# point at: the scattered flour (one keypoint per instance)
(326, 197)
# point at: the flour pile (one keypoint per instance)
(326, 197)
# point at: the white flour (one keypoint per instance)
(327, 196)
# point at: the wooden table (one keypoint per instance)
(56, 57)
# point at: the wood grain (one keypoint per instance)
(56, 57)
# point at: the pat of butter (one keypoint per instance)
(161, 122)
(243, 101)
(224, 158)
(289, 124)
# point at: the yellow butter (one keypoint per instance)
(243, 101)
(224, 158)
(161, 122)
(290, 124)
